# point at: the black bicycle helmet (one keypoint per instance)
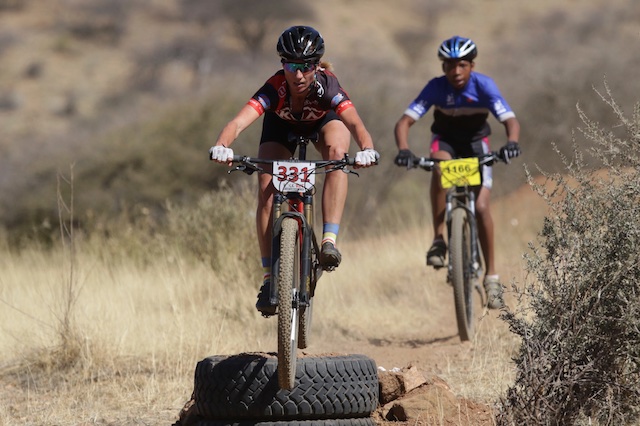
(458, 48)
(300, 44)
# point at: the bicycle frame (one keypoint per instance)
(301, 209)
(461, 197)
(464, 265)
(295, 250)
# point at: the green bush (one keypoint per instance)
(580, 355)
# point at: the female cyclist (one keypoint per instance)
(303, 97)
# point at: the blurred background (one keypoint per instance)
(116, 102)
(127, 256)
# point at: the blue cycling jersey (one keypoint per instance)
(460, 116)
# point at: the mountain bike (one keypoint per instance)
(295, 268)
(464, 268)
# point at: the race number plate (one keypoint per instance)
(293, 176)
(460, 172)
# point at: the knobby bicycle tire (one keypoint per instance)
(288, 279)
(306, 313)
(245, 387)
(460, 257)
(304, 325)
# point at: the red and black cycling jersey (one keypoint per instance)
(326, 94)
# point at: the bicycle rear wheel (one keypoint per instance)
(288, 279)
(460, 257)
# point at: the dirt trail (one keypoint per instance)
(477, 372)
(437, 353)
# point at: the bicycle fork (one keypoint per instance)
(299, 207)
(459, 198)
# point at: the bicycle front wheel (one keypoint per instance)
(304, 334)
(288, 279)
(460, 257)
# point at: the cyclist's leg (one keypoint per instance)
(492, 284)
(269, 150)
(274, 151)
(437, 252)
(485, 228)
(274, 129)
(333, 144)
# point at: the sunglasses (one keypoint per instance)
(293, 67)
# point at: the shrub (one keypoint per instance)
(580, 354)
(219, 229)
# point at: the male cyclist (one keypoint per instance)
(462, 100)
(304, 97)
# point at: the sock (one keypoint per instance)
(330, 233)
(266, 269)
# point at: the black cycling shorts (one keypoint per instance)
(474, 148)
(275, 129)
(465, 150)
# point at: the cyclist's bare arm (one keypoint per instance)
(367, 156)
(401, 131)
(352, 120)
(512, 127)
(230, 132)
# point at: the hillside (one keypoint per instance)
(66, 60)
(107, 84)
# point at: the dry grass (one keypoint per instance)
(139, 331)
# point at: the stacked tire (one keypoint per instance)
(336, 390)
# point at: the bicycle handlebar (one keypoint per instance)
(428, 163)
(250, 164)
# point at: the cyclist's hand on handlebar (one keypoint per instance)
(221, 154)
(509, 151)
(404, 158)
(367, 157)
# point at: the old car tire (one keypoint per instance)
(367, 421)
(245, 387)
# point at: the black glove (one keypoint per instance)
(509, 151)
(404, 158)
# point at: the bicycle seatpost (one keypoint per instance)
(302, 142)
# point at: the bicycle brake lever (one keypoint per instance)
(343, 169)
(245, 169)
(240, 168)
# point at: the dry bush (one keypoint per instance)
(12, 5)
(580, 351)
(121, 174)
(560, 57)
(249, 22)
(96, 20)
(221, 225)
(198, 54)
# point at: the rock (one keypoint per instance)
(408, 395)
(398, 382)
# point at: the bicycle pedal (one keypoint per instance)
(267, 313)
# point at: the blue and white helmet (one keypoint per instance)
(458, 48)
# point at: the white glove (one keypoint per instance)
(221, 154)
(367, 157)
